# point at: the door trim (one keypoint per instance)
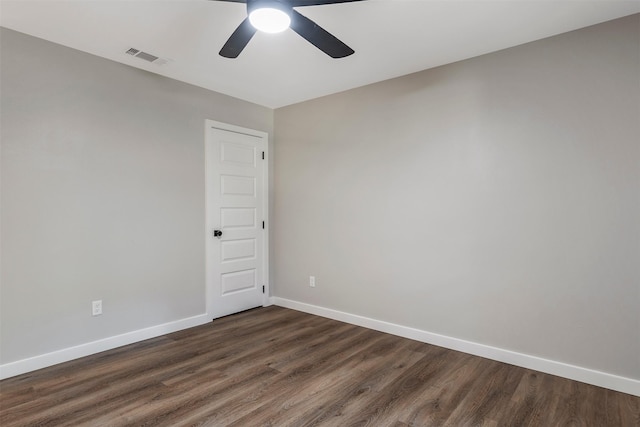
(208, 124)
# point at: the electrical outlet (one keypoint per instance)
(96, 308)
(312, 281)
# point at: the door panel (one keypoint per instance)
(241, 249)
(238, 218)
(238, 186)
(238, 281)
(236, 260)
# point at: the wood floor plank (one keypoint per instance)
(400, 395)
(527, 400)
(495, 383)
(436, 402)
(374, 371)
(278, 367)
(622, 409)
(309, 385)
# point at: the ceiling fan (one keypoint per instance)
(274, 16)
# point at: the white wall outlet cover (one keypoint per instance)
(96, 308)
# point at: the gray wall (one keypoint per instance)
(495, 200)
(102, 195)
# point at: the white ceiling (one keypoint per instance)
(391, 38)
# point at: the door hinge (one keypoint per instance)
(263, 289)
(263, 225)
(263, 155)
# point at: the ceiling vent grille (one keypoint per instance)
(146, 56)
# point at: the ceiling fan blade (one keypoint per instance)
(318, 36)
(301, 3)
(238, 40)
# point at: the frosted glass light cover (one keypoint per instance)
(269, 20)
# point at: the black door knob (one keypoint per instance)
(217, 233)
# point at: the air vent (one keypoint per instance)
(146, 56)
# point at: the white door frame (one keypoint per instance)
(209, 241)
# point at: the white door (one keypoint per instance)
(236, 208)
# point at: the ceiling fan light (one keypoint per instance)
(270, 20)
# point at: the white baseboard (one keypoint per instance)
(577, 373)
(49, 359)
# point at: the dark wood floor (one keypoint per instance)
(278, 367)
